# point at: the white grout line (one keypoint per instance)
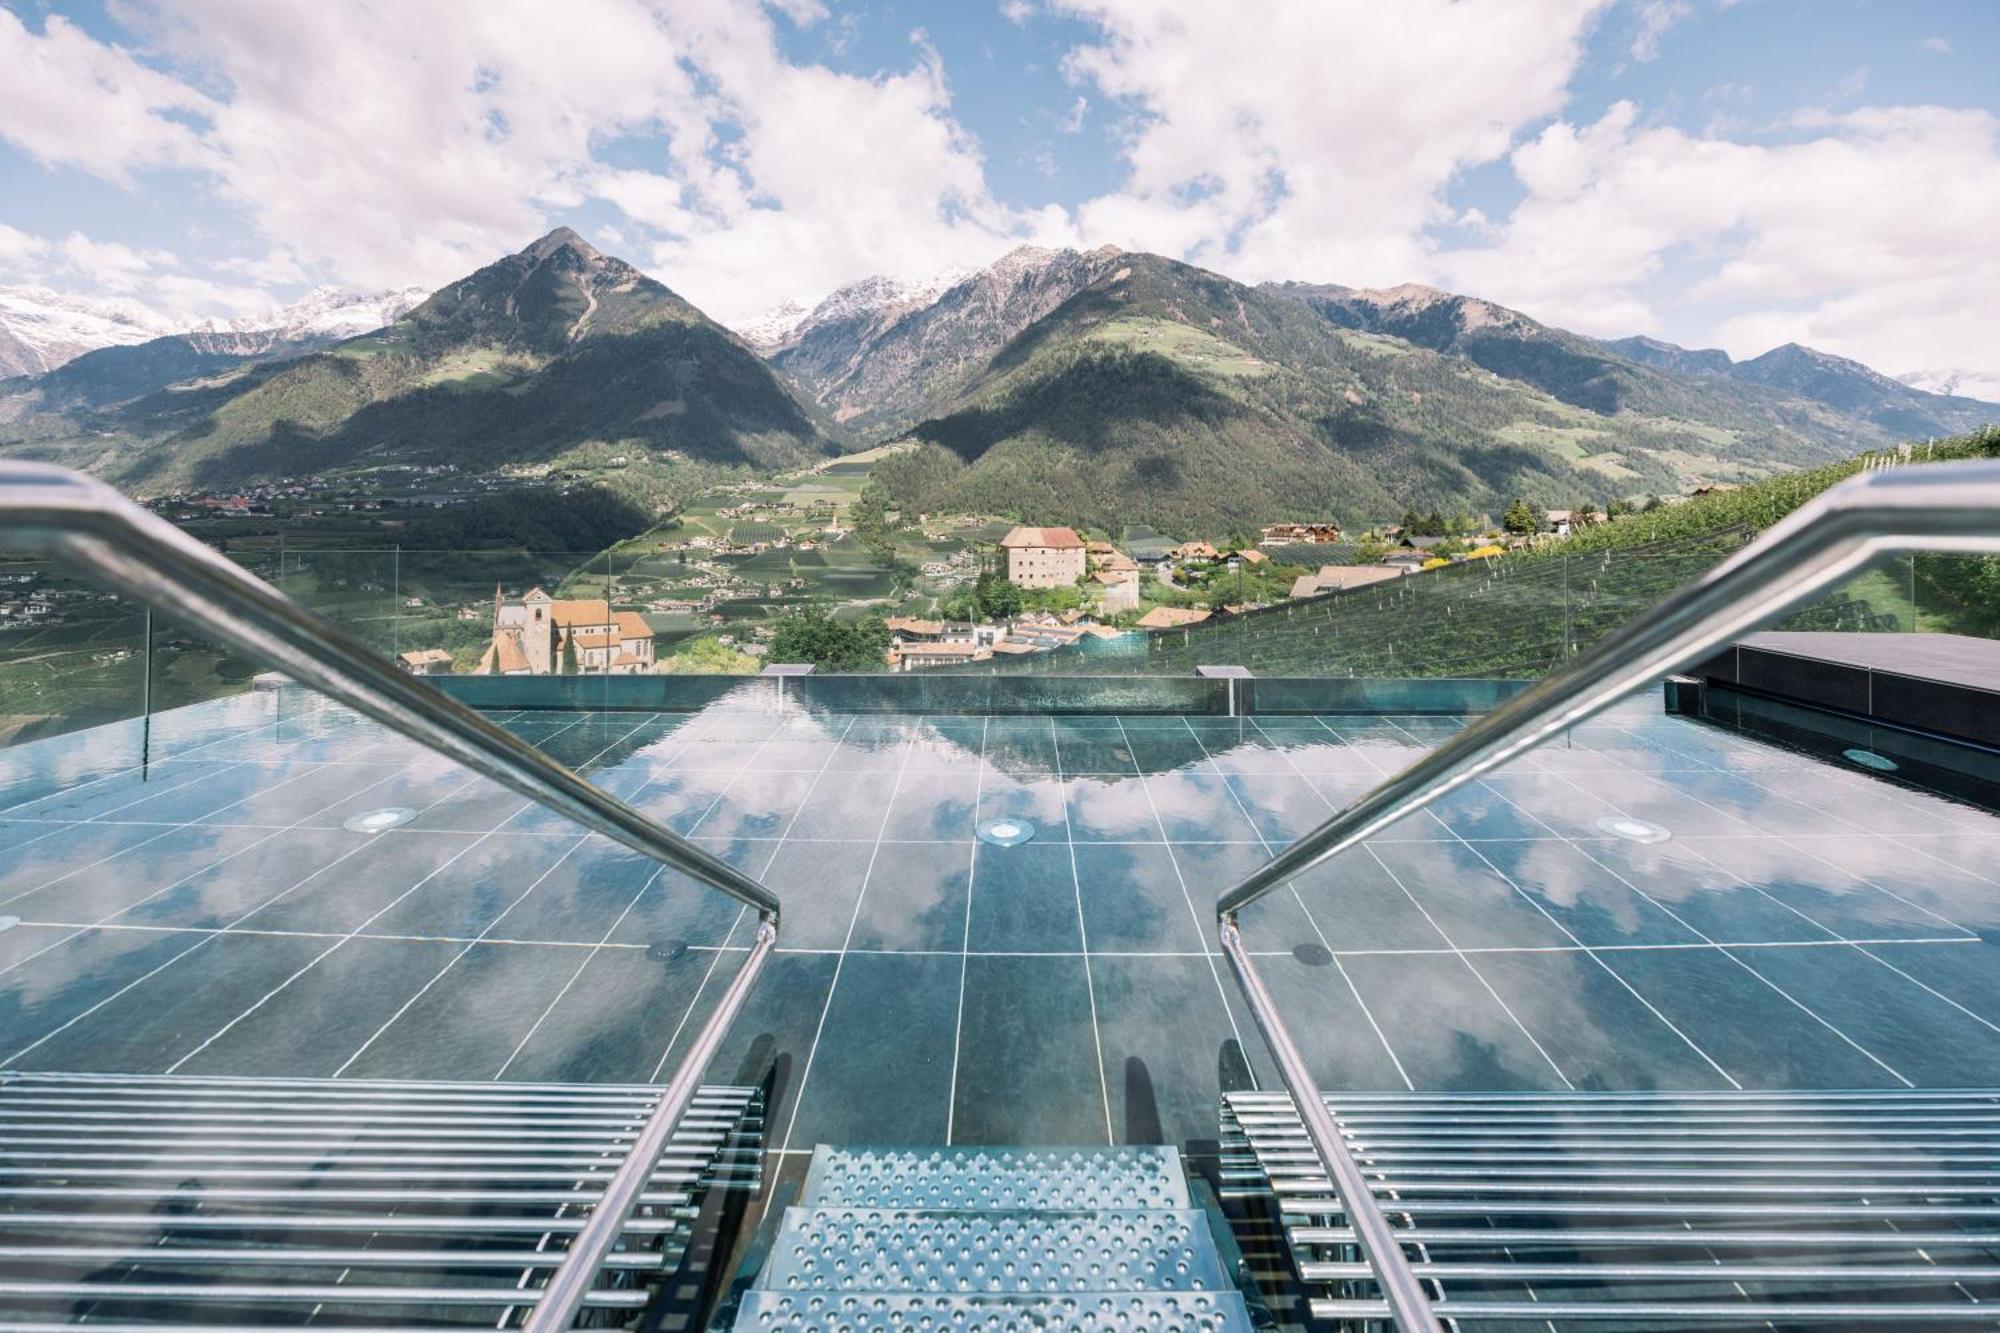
(831, 985)
(1588, 951)
(205, 939)
(1187, 896)
(965, 941)
(1083, 934)
(1293, 888)
(1726, 953)
(517, 900)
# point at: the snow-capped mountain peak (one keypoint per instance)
(879, 299)
(324, 313)
(40, 329)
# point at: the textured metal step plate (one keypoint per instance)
(996, 1253)
(868, 1313)
(986, 1178)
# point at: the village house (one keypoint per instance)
(426, 662)
(542, 635)
(1117, 592)
(1043, 557)
(917, 656)
(1171, 617)
(1338, 578)
(1288, 534)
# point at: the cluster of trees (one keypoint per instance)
(810, 634)
(990, 597)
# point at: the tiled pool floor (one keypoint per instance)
(1801, 925)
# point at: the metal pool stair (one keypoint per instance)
(1055, 1238)
(1649, 1210)
(217, 1201)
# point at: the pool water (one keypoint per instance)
(997, 929)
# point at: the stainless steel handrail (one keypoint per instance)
(83, 520)
(71, 515)
(1934, 507)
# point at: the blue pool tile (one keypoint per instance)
(1357, 904)
(472, 893)
(1601, 1035)
(311, 1023)
(883, 1067)
(1024, 899)
(1111, 809)
(1586, 899)
(934, 807)
(1762, 1039)
(1841, 899)
(1198, 807)
(1282, 806)
(1170, 1046)
(847, 806)
(1721, 907)
(613, 1020)
(915, 898)
(1027, 1054)
(99, 889)
(1470, 903)
(1040, 800)
(152, 1025)
(1444, 1025)
(818, 885)
(1133, 900)
(1923, 1038)
(471, 1016)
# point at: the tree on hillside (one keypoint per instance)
(1521, 519)
(811, 635)
(996, 597)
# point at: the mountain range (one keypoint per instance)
(555, 346)
(1099, 387)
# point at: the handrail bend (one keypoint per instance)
(1933, 507)
(69, 515)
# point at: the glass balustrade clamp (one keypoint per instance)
(1951, 507)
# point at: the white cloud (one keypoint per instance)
(410, 143)
(1313, 140)
(18, 247)
(69, 100)
(1819, 238)
(1655, 17)
(1938, 46)
(113, 265)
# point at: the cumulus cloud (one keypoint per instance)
(1269, 139)
(1866, 233)
(18, 247)
(1313, 140)
(70, 100)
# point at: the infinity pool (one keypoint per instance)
(1652, 902)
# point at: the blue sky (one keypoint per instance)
(1737, 174)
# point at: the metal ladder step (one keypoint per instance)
(985, 1178)
(1001, 1252)
(1121, 1312)
(994, 1238)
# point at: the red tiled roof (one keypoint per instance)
(1061, 539)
